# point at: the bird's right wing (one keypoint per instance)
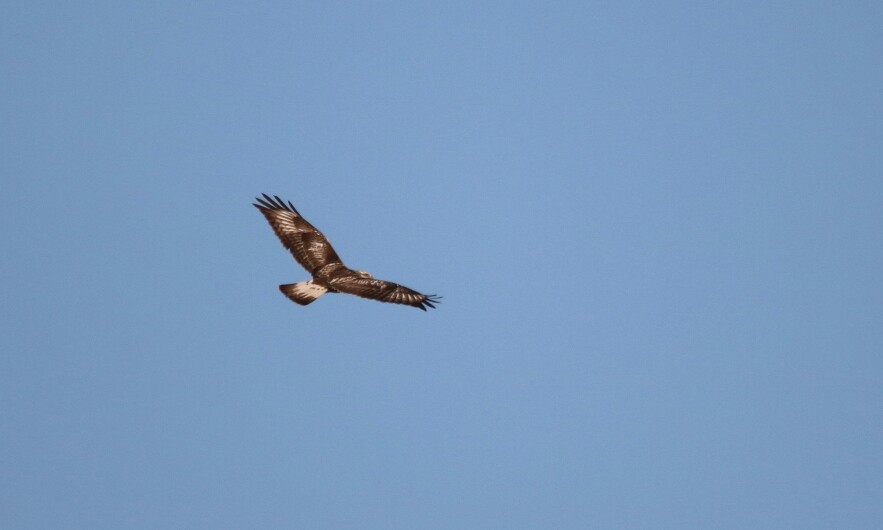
(308, 246)
(383, 291)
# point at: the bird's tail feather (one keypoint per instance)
(303, 293)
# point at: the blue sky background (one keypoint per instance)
(656, 226)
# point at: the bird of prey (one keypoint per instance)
(313, 251)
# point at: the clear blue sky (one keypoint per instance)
(656, 226)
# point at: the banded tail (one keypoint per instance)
(303, 293)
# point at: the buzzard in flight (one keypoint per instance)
(310, 248)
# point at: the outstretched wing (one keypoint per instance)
(308, 246)
(383, 291)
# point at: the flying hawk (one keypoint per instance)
(313, 251)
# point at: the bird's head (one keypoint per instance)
(363, 274)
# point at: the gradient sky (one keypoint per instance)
(656, 226)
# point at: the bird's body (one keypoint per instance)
(313, 251)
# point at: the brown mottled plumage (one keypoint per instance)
(313, 251)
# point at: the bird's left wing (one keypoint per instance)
(308, 246)
(384, 291)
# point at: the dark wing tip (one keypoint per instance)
(263, 204)
(274, 203)
(429, 300)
